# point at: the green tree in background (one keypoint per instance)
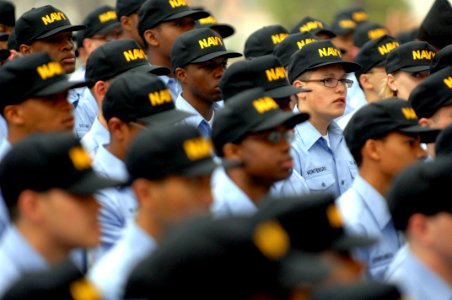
(288, 12)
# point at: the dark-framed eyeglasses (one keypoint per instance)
(332, 82)
(276, 136)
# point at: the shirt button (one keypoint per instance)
(342, 182)
(323, 184)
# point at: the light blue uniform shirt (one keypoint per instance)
(415, 279)
(325, 169)
(365, 212)
(17, 257)
(173, 85)
(295, 185)
(118, 204)
(228, 198)
(110, 274)
(3, 128)
(355, 96)
(85, 106)
(96, 136)
(5, 146)
(196, 120)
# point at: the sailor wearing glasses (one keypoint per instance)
(252, 129)
(319, 150)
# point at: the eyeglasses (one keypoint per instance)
(111, 36)
(275, 137)
(332, 82)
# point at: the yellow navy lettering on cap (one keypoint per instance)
(334, 216)
(279, 37)
(302, 43)
(376, 33)
(347, 24)
(271, 239)
(108, 16)
(83, 289)
(448, 81)
(275, 74)
(210, 41)
(80, 158)
(423, 54)
(53, 17)
(50, 70)
(311, 25)
(208, 20)
(160, 97)
(329, 51)
(198, 148)
(264, 104)
(134, 54)
(409, 113)
(360, 16)
(388, 47)
(177, 3)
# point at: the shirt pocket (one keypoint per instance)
(321, 183)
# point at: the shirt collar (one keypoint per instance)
(99, 132)
(374, 201)
(429, 278)
(196, 118)
(139, 236)
(173, 85)
(110, 165)
(229, 194)
(5, 146)
(27, 258)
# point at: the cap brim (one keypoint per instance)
(168, 117)
(61, 29)
(285, 91)
(288, 119)
(427, 135)
(109, 28)
(347, 65)
(348, 242)
(4, 54)
(227, 54)
(4, 36)
(91, 183)
(199, 168)
(60, 86)
(324, 31)
(148, 68)
(300, 267)
(229, 163)
(223, 29)
(416, 69)
(195, 14)
(343, 31)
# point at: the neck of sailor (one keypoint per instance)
(430, 248)
(41, 242)
(156, 58)
(255, 188)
